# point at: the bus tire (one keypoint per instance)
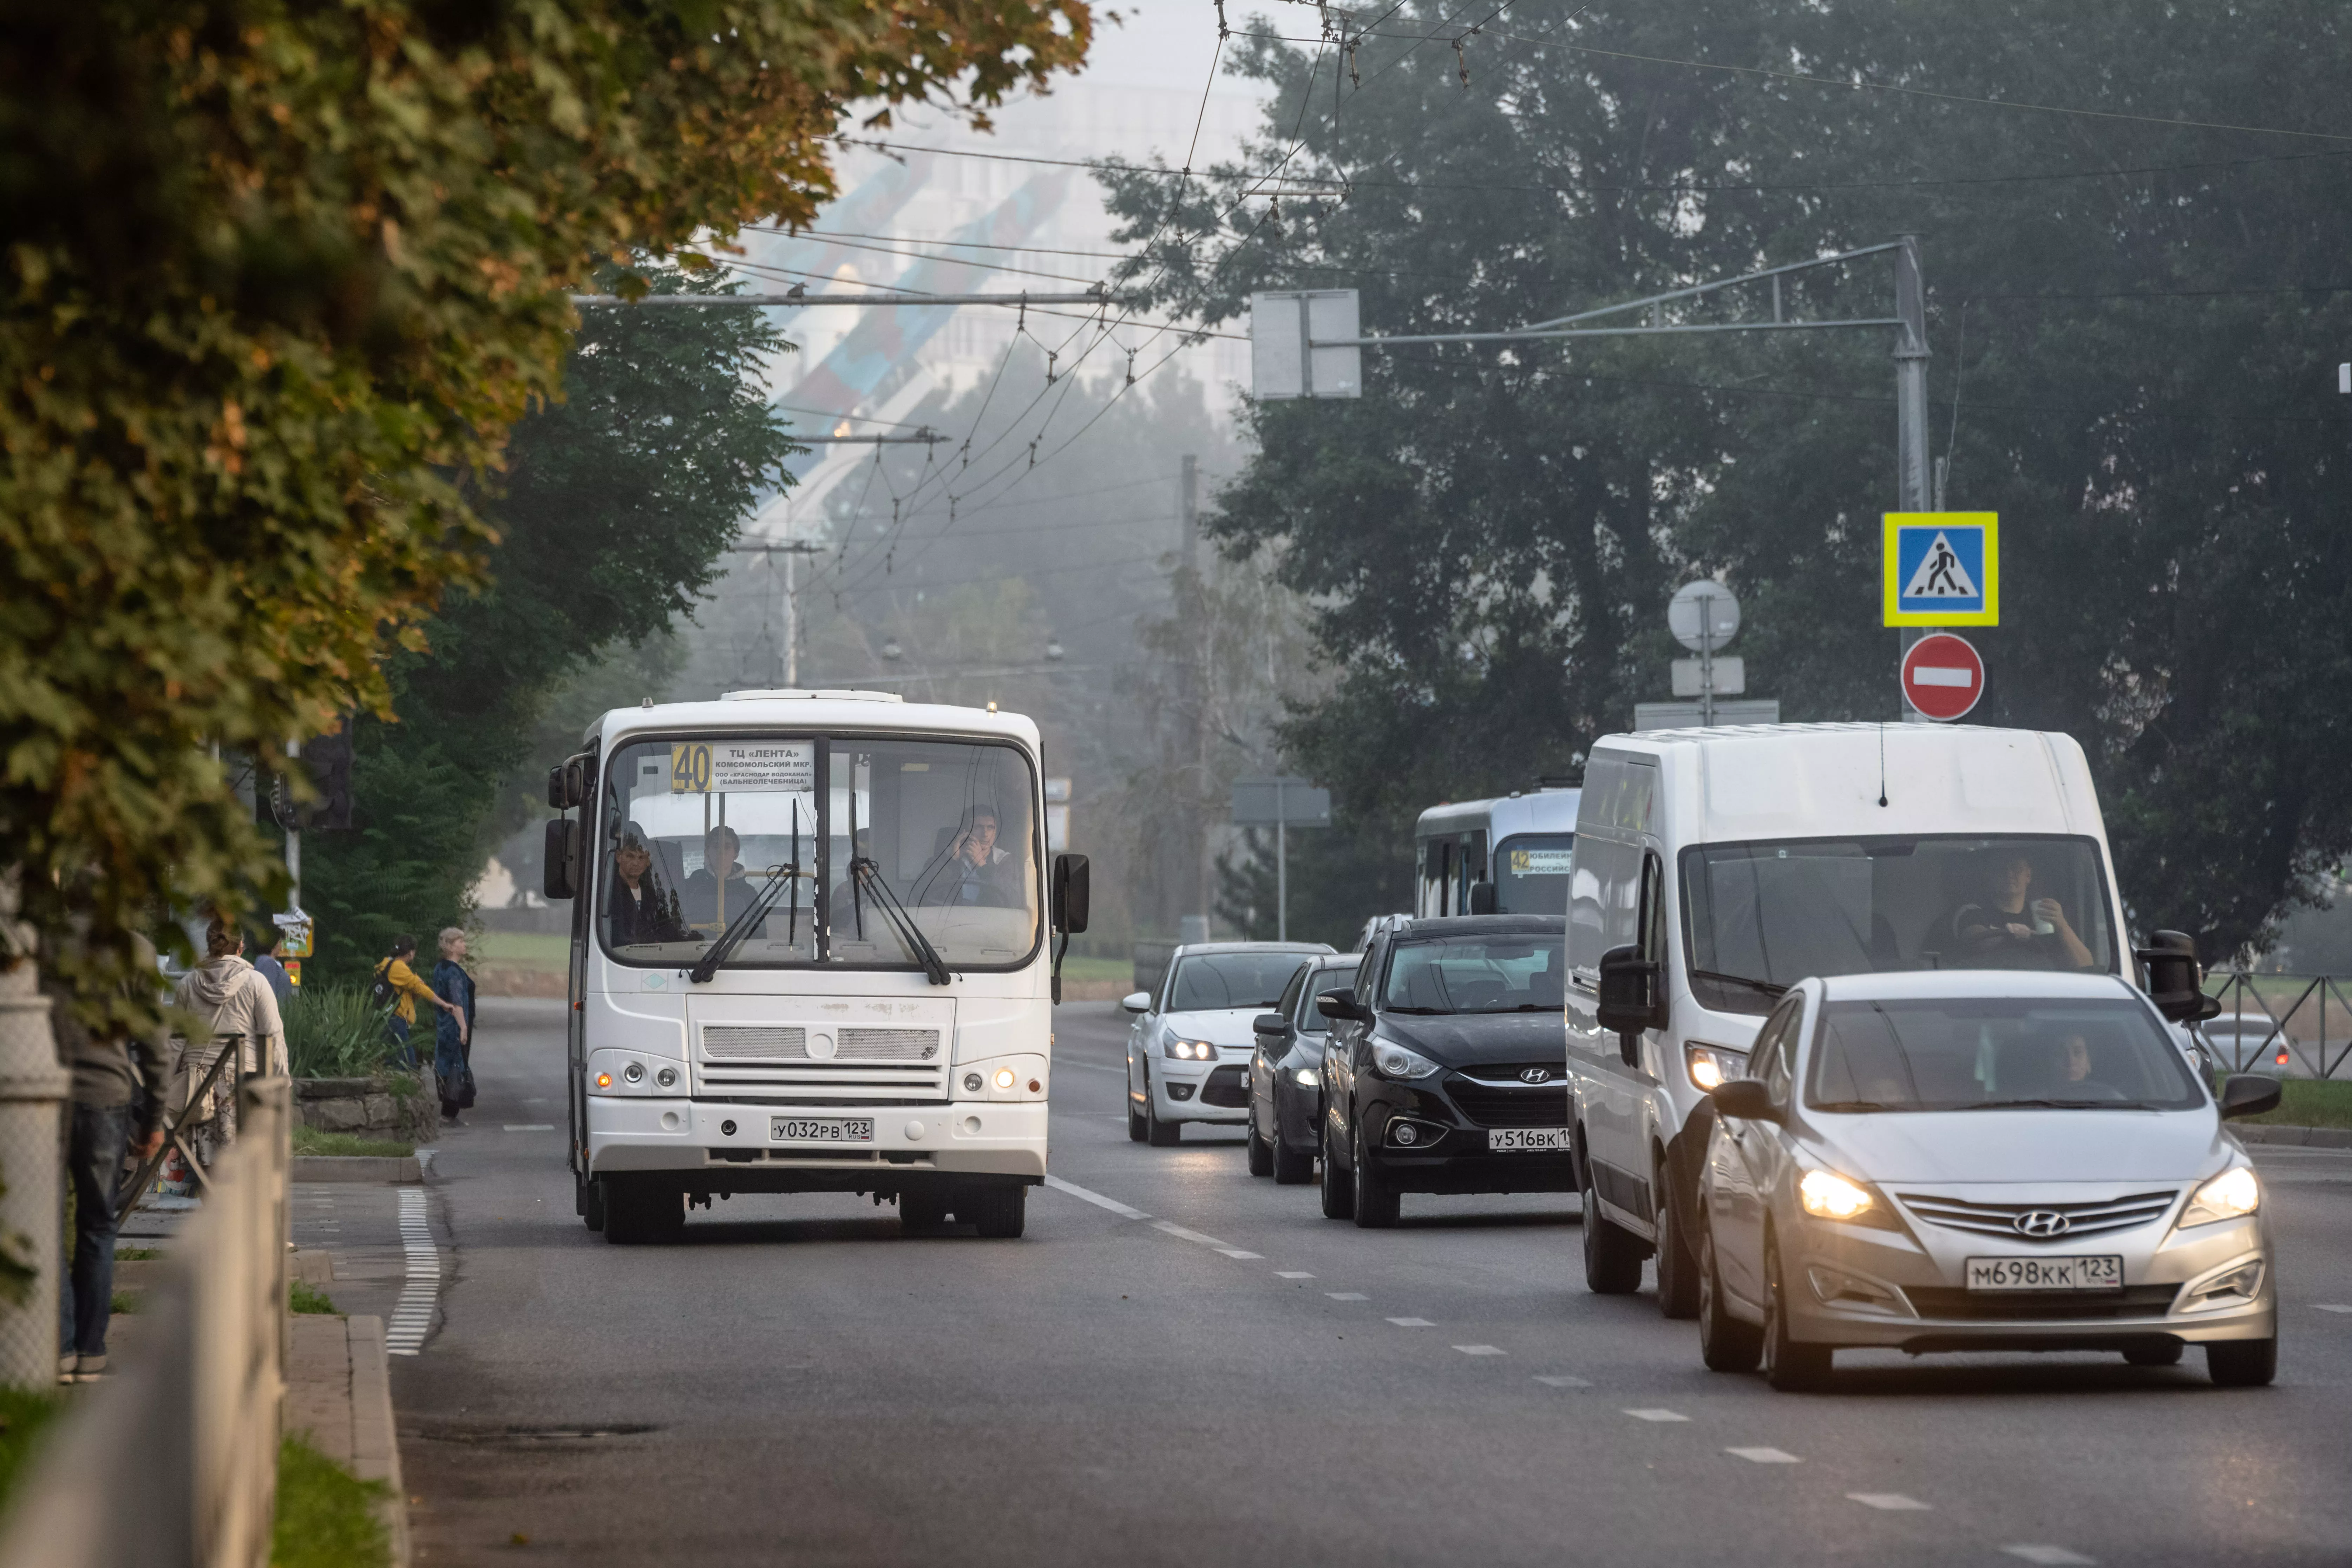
(1000, 1213)
(589, 1203)
(921, 1212)
(641, 1210)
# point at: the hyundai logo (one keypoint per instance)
(1535, 1075)
(2041, 1223)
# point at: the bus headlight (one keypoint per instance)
(1006, 1077)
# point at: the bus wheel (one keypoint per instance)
(919, 1212)
(639, 1209)
(1000, 1213)
(589, 1203)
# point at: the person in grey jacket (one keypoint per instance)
(235, 1001)
(119, 1082)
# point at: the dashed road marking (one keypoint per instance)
(1100, 1201)
(1291, 1274)
(1180, 1234)
(1658, 1414)
(1245, 1256)
(1413, 1323)
(2331, 1307)
(2056, 1556)
(1766, 1455)
(1893, 1502)
(1557, 1380)
(1347, 1295)
(531, 1127)
(1479, 1349)
(412, 1315)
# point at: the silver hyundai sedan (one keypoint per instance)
(1972, 1160)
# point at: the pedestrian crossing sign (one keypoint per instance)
(1942, 569)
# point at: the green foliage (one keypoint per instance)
(303, 1296)
(2311, 1102)
(336, 1031)
(25, 1417)
(2134, 324)
(312, 1140)
(279, 281)
(122, 1303)
(325, 1516)
(1340, 876)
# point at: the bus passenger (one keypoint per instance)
(640, 909)
(719, 891)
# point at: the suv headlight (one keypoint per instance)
(2234, 1194)
(1395, 1061)
(1192, 1050)
(1828, 1195)
(1308, 1078)
(1710, 1066)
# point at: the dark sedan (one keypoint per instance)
(1448, 1074)
(1287, 1075)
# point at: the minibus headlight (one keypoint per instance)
(1006, 1077)
(667, 1077)
(1712, 1065)
(2232, 1195)
(634, 1073)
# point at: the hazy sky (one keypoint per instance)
(1161, 43)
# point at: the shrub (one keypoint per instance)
(336, 1031)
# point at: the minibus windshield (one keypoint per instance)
(840, 851)
(1760, 917)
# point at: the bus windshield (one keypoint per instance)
(841, 852)
(1531, 873)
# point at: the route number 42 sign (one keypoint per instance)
(1942, 569)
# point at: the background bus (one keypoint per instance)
(1518, 844)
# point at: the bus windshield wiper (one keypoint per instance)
(787, 876)
(866, 875)
(1769, 988)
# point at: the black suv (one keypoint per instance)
(1445, 1068)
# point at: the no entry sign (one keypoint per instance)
(1942, 676)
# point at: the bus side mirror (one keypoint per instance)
(1482, 898)
(568, 781)
(1073, 886)
(2173, 976)
(559, 877)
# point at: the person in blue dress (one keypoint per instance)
(453, 1048)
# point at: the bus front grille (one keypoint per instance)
(810, 1082)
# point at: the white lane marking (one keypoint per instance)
(1347, 1295)
(412, 1315)
(1555, 1380)
(1893, 1502)
(1097, 1199)
(1291, 1274)
(1479, 1349)
(1246, 1256)
(2056, 1556)
(1413, 1323)
(1178, 1231)
(1765, 1455)
(1658, 1414)
(2331, 1307)
(531, 1127)
(1090, 1067)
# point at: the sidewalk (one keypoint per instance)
(339, 1394)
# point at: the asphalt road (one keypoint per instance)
(1234, 1379)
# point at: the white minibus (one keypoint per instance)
(1714, 869)
(809, 953)
(1507, 856)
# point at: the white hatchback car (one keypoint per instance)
(1970, 1160)
(1187, 1053)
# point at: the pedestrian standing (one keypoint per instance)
(453, 1052)
(119, 1082)
(266, 952)
(239, 1010)
(398, 987)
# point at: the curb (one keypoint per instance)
(356, 1168)
(2302, 1137)
(375, 1445)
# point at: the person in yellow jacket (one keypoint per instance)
(398, 987)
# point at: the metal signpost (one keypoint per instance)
(1704, 616)
(1282, 804)
(1939, 569)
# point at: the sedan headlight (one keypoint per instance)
(1830, 1196)
(2232, 1195)
(1712, 1065)
(1192, 1051)
(1395, 1061)
(1306, 1078)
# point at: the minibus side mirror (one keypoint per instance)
(1341, 1005)
(1627, 994)
(1273, 1023)
(2248, 1094)
(1072, 887)
(1746, 1099)
(1482, 898)
(2174, 978)
(559, 877)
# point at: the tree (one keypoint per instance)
(2130, 368)
(279, 280)
(611, 516)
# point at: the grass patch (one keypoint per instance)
(137, 1254)
(314, 1140)
(326, 1515)
(2311, 1102)
(523, 949)
(1076, 968)
(122, 1303)
(301, 1296)
(23, 1414)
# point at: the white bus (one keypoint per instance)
(809, 953)
(1507, 856)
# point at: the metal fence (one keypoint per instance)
(2297, 1025)
(173, 1463)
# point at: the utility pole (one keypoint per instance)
(1911, 466)
(1189, 510)
(791, 549)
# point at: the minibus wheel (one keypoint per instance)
(1000, 1213)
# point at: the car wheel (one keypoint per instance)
(1677, 1269)
(1000, 1213)
(2158, 1353)
(1376, 1204)
(1138, 1130)
(1292, 1167)
(1612, 1255)
(2242, 1363)
(1338, 1192)
(1725, 1343)
(921, 1212)
(1791, 1365)
(1261, 1157)
(1157, 1133)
